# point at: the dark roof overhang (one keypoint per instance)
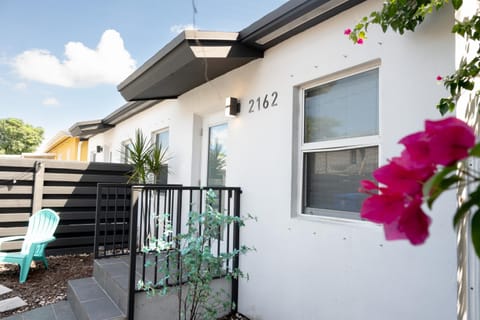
(191, 59)
(195, 57)
(290, 19)
(87, 129)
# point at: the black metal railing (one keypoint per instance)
(112, 220)
(158, 212)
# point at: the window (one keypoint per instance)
(161, 139)
(124, 153)
(217, 155)
(339, 146)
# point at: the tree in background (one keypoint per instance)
(17, 136)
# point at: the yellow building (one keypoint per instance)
(66, 147)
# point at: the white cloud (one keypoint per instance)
(181, 27)
(20, 86)
(50, 102)
(109, 63)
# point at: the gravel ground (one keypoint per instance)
(44, 287)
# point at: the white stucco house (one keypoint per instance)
(317, 115)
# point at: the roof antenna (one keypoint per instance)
(195, 11)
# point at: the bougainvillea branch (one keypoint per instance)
(434, 159)
(406, 15)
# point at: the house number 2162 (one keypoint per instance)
(269, 100)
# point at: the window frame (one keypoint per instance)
(334, 144)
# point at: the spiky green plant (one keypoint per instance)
(146, 158)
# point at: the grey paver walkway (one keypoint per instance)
(4, 289)
(57, 311)
(11, 303)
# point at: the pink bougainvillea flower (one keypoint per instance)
(360, 41)
(412, 224)
(419, 171)
(400, 179)
(449, 140)
(417, 150)
(396, 202)
(391, 231)
(367, 185)
(439, 78)
(347, 31)
(383, 208)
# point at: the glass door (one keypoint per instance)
(217, 155)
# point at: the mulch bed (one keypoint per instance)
(44, 287)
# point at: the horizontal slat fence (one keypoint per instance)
(68, 187)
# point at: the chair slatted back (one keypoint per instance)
(41, 225)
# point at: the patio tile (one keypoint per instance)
(4, 289)
(44, 313)
(11, 303)
(15, 317)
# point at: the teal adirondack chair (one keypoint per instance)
(41, 227)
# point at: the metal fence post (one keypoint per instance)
(133, 253)
(236, 246)
(37, 190)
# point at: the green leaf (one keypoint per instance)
(445, 105)
(475, 227)
(434, 187)
(475, 152)
(473, 199)
(457, 4)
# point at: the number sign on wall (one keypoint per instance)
(263, 103)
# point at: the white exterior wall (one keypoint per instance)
(319, 268)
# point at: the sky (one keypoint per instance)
(61, 61)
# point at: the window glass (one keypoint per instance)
(332, 178)
(217, 155)
(344, 108)
(125, 154)
(162, 142)
(161, 139)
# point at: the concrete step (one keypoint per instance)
(113, 274)
(90, 302)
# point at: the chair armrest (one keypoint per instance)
(6, 239)
(43, 240)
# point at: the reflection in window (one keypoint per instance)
(344, 108)
(161, 139)
(125, 153)
(162, 143)
(332, 178)
(217, 155)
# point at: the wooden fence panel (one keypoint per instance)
(68, 187)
